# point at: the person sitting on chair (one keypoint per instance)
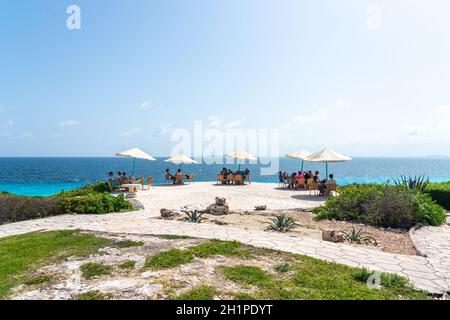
(169, 176)
(246, 173)
(323, 186)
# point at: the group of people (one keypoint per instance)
(173, 177)
(298, 180)
(121, 176)
(228, 172)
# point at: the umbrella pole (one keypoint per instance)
(326, 167)
(303, 162)
(134, 164)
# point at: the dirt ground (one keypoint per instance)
(138, 283)
(389, 240)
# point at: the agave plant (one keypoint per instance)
(281, 224)
(359, 236)
(416, 183)
(193, 216)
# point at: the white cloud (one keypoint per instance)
(164, 128)
(69, 123)
(433, 128)
(235, 123)
(130, 132)
(146, 104)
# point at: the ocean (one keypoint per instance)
(47, 176)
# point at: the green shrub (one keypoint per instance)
(99, 187)
(94, 203)
(18, 208)
(281, 224)
(382, 205)
(440, 192)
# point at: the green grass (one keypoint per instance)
(318, 280)
(93, 295)
(93, 269)
(173, 237)
(129, 264)
(24, 254)
(128, 244)
(282, 267)
(168, 259)
(32, 281)
(202, 292)
(175, 257)
(248, 275)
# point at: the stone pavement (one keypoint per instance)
(430, 274)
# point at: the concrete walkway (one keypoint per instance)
(430, 274)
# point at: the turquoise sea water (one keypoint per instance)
(47, 176)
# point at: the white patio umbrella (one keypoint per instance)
(327, 155)
(302, 155)
(180, 159)
(241, 155)
(135, 153)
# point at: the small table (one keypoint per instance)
(132, 187)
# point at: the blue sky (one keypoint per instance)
(367, 78)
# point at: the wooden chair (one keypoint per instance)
(190, 178)
(230, 178)
(122, 182)
(220, 178)
(140, 181)
(150, 182)
(330, 188)
(313, 187)
(179, 178)
(247, 179)
(301, 183)
(238, 179)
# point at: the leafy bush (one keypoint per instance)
(440, 192)
(382, 205)
(17, 208)
(99, 187)
(94, 203)
(89, 199)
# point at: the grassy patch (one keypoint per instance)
(128, 244)
(129, 264)
(176, 257)
(314, 279)
(93, 295)
(217, 247)
(282, 267)
(168, 259)
(24, 254)
(248, 275)
(92, 269)
(174, 237)
(32, 281)
(203, 292)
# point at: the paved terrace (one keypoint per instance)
(429, 273)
